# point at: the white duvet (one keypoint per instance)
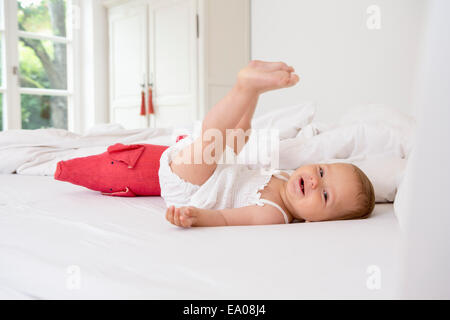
(376, 138)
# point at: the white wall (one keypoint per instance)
(341, 62)
(422, 204)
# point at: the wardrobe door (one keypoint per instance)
(128, 64)
(173, 61)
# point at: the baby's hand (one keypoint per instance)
(182, 217)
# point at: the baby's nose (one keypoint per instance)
(313, 182)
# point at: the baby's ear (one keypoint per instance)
(128, 154)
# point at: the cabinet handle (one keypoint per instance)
(150, 99)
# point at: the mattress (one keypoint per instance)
(61, 241)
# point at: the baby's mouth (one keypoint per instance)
(302, 185)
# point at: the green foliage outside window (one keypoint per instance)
(43, 64)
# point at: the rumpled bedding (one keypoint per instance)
(376, 138)
(36, 152)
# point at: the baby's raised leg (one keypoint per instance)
(196, 162)
(238, 137)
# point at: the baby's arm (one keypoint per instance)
(245, 216)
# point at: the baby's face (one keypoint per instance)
(321, 192)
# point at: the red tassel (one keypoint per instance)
(150, 101)
(143, 103)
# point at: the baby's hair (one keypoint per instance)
(365, 199)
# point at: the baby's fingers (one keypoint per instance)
(169, 214)
(187, 217)
(181, 217)
(176, 217)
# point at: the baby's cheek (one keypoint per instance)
(295, 205)
(305, 210)
(316, 213)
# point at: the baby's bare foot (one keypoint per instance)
(270, 66)
(261, 76)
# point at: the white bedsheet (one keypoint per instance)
(124, 248)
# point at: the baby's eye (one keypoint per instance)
(321, 171)
(325, 195)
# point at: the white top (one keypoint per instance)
(286, 219)
(235, 186)
(230, 186)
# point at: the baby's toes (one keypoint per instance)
(286, 79)
(269, 66)
(254, 63)
(281, 78)
(293, 79)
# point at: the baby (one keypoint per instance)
(202, 191)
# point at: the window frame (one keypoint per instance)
(11, 89)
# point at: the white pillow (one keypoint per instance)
(385, 173)
(383, 116)
(288, 120)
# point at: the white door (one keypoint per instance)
(128, 64)
(173, 61)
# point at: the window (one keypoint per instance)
(36, 71)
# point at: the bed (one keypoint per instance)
(61, 241)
